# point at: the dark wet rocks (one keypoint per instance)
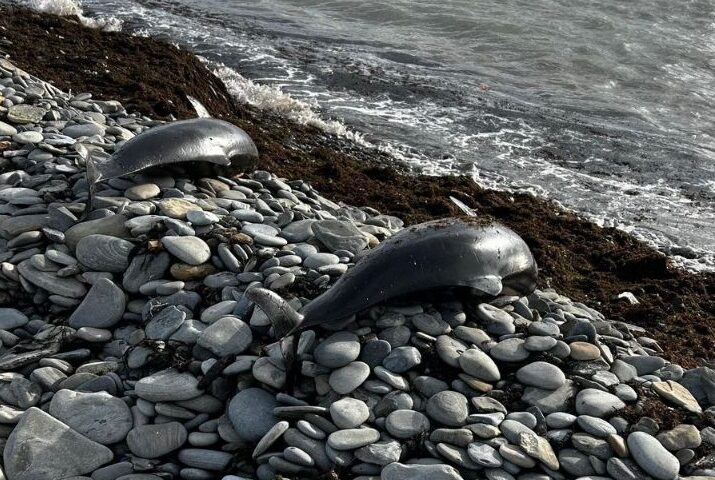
(43, 448)
(168, 385)
(102, 307)
(190, 250)
(104, 253)
(156, 440)
(251, 413)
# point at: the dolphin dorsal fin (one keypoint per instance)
(489, 284)
(201, 111)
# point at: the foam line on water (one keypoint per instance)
(67, 8)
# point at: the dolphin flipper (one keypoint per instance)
(284, 318)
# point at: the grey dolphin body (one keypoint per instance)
(200, 140)
(485, 260)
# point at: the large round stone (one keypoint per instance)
(251, 413)
(597, 403)
(448, 408)
(541, 374)
(349, 412)
(478, 364)
(98, 416)
(43, 448)
(405, 424)
(190, 250)
(227, 336)
(103, 306)
(652, 456)
(168, 386)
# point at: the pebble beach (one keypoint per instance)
(131, 351)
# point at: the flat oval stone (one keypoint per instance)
(596, 426)
(339, 235)
(404, 424)
(104, 253)
(167, 386)
(346, 379)
(510, 350)
(575, 462)
(98, 416)
(353, 438)
(165, 323)
(337, 350)
(402, 359)
(652, 457)
(177, 207)
(597, 403)
(449, 350)
(349, 413)
(271, 437)
(498, 322)
(103, 306)
(644, 364)
(540, 343)
(297, 456)
(298, 231)
(28, 137)
(205, 459)
(24, 113)
(374, 352)
(584, 351)
(380, 453)
(156, 440)
(227, 336)
(484, 455)
(681, 437)
(320, 259)
(6, 129)
(399, 471)
(478, 364)
(11, 318)
(448, 408)
(144, 191)
(430, 324)
(65, 287)
(190, 250)
(251, 413)
(541, 374)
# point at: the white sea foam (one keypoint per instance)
(68, 8)
(273, 99)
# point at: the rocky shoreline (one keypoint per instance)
(130, 350)
(585, 262)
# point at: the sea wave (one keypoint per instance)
(67, 8)
(271, 98)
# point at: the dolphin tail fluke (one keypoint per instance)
(284, 318)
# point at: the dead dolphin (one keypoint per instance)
(482, 259)
(203, 141)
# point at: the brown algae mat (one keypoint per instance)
(577, 258)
